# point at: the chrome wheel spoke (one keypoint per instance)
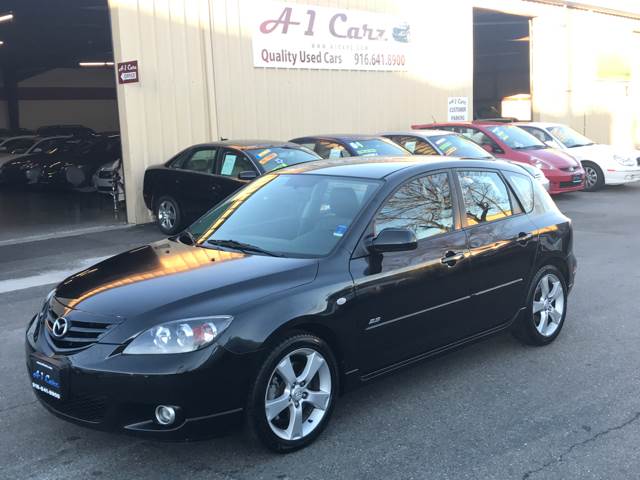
(538, 306)
(314, 362)
(285, 369)
(555, 316)
(555, 289)
(544, 286)
(318, 399)
(295, 422)
(277, 406)
(542, 326)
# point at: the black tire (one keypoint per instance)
(168, 227)
(257, 423)
(596, 172)
(525, 328)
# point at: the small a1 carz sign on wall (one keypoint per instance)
(128, 72)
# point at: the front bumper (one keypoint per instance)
(561, 182)
(116, 392)
(620, 175)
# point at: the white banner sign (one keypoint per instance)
(291, 35)
(458, 109)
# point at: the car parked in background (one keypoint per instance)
(308, 282)
(183, 188)
(337, 146)
(603, 164)
(507, 141)
(6, 133)
(73, 165)
(451, 144)
(108, 179)
(75, 130)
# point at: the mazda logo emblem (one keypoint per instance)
(60, 327)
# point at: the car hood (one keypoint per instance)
(167, 276)
(555, 158)
(601, 152)
(8, 157)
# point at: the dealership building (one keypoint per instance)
(167, 74)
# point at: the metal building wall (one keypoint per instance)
(198, 83)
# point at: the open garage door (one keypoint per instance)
(501, 65)
(60, 154)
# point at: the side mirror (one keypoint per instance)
(37, 150)
(248, 175)
(550, 144)
(394, 240)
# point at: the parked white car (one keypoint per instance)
(103, 179)
(603, 164)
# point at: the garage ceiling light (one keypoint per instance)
(96, 64)
(6, 17)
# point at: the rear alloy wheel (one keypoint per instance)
(294, 393)
(542, 321)
(168, 215)
(594, 177)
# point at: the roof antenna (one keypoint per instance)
(222, 139)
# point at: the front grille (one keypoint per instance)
(89, 408)
(105, 174)
(80, 334)
(568, 184)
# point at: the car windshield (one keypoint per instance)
(377, 147)
(296, 215)
(569, 137)
(516, 137)
(273, 158)
(458, 146)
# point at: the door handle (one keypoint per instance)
(523, 238)
(450, 258)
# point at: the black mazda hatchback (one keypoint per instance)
(305, 283)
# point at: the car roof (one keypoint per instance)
(381, 167)
(248, 144)
(420, 133)
(341, 137)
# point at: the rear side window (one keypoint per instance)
(523, 186)
(486, 196)
(327, 149)
(201, 161)
(415, 145)
(422, 205)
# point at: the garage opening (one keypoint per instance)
(501, 65)
(60, 154)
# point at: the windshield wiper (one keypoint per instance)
(190, 237)
(243, 247)
(581, 145)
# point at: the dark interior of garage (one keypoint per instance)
(501, 60)
(59, 134)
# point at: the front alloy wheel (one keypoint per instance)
(594, 177)
(298, 394)
(294, 393)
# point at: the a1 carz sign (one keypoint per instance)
(286, 35)
(128, 72)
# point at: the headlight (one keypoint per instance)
(623, 160)
(179, 336)
(540, 164)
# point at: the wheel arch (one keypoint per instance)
(310, 325)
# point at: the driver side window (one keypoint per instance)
(423, 205)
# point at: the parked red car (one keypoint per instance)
(507, 141)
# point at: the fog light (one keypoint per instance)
(165, 415)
